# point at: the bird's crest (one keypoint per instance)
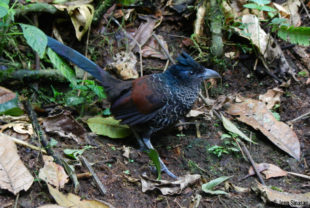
(186, 60)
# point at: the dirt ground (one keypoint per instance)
(181, 149)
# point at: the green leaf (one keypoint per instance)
(74, 101)
(4, 8)
(106, 112)
(108, 127)
(127, 2)
(74, 153)
(98, 90)
(62, 66)
(230, 126)
(252, 6)
(268, 9)
(276, 115)
(11, 108)
(261, 2)
(295, 35)
(35, 38)
(208, 187)
(154, 156)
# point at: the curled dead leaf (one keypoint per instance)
(168, 187)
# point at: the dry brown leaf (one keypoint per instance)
(143, 34)
(124, 65)
(269, 170)
(66, 126)
(271, 97)
(282, 198)
(53, 173)
(74, 201)
(256, 114)
(168, 187)
(153, 49)
(14, 176)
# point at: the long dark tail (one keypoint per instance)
(77, 58)
(114, 87)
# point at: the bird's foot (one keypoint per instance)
(166, 170)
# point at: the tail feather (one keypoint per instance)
(113, 86)
(76, 58)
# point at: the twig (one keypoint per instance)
(300, 117)
(247, 153)
(16, 201)
(299, 175)
(18, 141)
(164, 49)
(245, 149)
(85, 54)
(42, 139)
(101, 187)
(305, 8)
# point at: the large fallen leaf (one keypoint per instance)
(14, 176)
(282, 198)
(74, 201)
(271, 97)
(53, 173)
(108, 126)
(65, 125)
(168, 187)
(256, 114)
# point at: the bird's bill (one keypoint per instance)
(209, 73)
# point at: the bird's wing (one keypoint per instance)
(139, 104)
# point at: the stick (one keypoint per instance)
(300, 117)
(164, 49)
(101, 187)
(42, 139)
(244, 148)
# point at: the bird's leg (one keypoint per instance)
(164, 168)
(143, 147)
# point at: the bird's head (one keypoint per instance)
(188, 70)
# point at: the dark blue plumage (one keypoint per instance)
(151, 102)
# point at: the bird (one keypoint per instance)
(151, 102)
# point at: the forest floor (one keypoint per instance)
(186, 148)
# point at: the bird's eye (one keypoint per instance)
(191, 72)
